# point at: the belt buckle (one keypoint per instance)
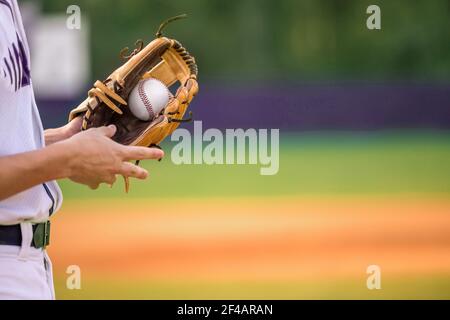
(41, 235)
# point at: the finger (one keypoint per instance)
(108, 131)
(141, 153)
(128, 169)
(110, 179)
(94, 186)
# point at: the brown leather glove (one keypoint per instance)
(164, 59)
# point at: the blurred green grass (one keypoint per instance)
(433, 286)
(338, 163)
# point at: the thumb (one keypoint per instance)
(108, 131)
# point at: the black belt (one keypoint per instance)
(12, 235)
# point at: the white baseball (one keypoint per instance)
(148, 98)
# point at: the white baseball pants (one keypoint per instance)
(25, 272)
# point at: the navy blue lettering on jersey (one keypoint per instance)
(15, 63)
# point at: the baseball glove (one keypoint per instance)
(164, 59)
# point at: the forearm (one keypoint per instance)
(22, 171)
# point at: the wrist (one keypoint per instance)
(66, 131)
(54, 135)
(72, 128)
(64, 157)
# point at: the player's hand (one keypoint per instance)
(62, 133)
(98, 159)
(73, 127)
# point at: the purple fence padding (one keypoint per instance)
(309, 107)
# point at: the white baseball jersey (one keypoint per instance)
(20, 123)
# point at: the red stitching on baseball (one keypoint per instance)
(145, 100)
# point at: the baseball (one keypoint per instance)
(148, 98)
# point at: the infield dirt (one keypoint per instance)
(253, 238)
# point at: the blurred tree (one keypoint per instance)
(273, 39)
